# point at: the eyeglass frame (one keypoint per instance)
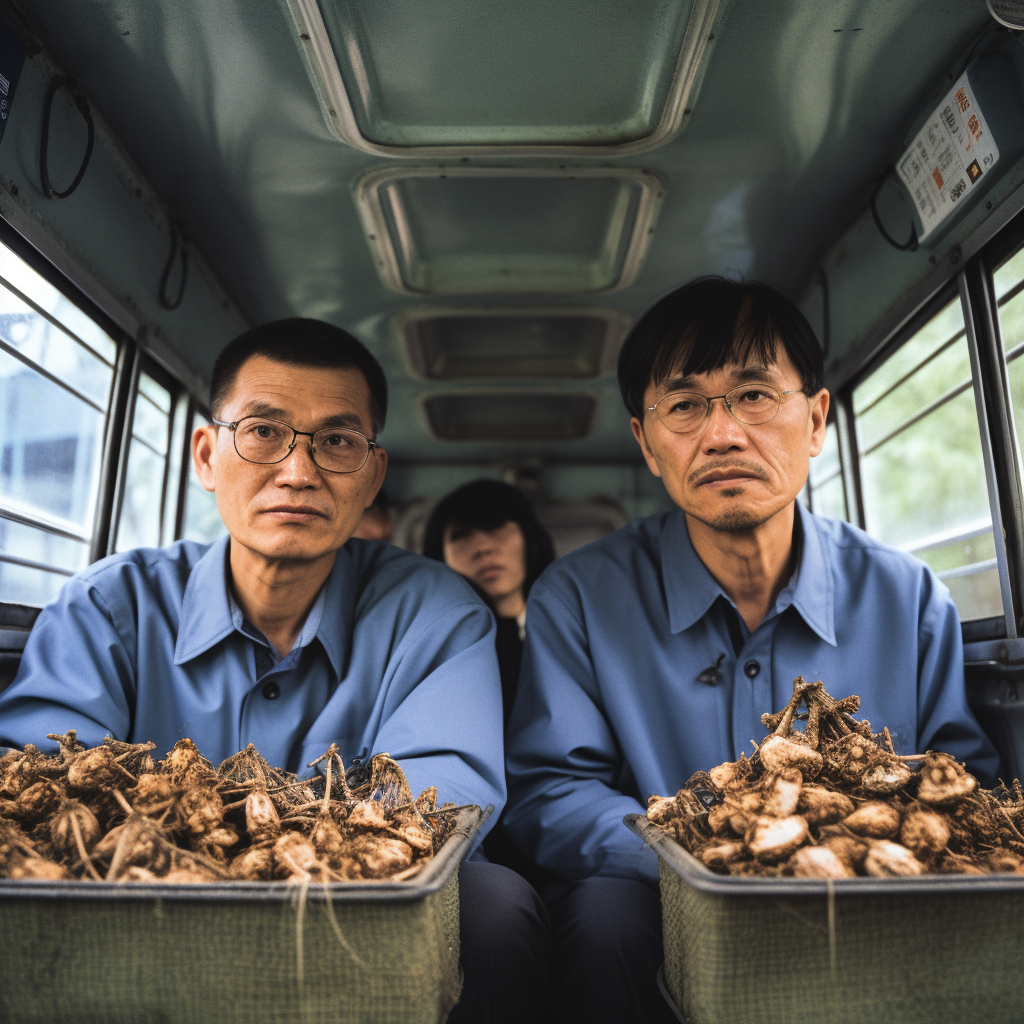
(232, 426)
(725, 398)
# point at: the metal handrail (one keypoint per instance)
(968, 570)
(940, 540)
(16, 512)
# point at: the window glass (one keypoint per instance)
(174, 457)
(202, 520)
(931, 341)
(34, 563)
(143, 505)
(54, 398)
(54, 351)
(18, 276)
(1009, 286)
(825, 481)
(921, 466)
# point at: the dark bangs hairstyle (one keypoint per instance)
(710, 322)
(486, 505)
(299, 341)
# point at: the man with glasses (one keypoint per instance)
(289, 635)
(652, 654)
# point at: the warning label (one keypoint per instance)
(950, 154)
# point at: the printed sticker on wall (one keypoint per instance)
(948, 157)
(12, 58)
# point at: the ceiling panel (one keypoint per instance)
(460, 75)
(510, 416)
(521, 344)
(485, 229)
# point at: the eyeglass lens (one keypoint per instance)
(268, 441)
(684, 411)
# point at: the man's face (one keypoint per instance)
(730, 475)
(292, 509)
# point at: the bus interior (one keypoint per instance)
(489, 195)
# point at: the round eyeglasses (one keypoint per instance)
(266, 441)
(685, 411)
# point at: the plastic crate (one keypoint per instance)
(245, 952)
(924, 950)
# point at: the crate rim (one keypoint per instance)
(695, 874)
(436, 876)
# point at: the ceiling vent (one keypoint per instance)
(510, 417)
(489, 229)
(514, 344)
(441, 78)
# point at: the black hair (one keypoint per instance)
(486, 505)
(710, 322)
(299, 341)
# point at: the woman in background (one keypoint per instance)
(488, 532)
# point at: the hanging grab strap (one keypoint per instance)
(83, 107)
(178, 239)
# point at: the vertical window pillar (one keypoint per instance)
(998, 435)
(116, 444)
(849, 458)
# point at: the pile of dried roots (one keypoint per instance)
(111, 813)
(836, 800)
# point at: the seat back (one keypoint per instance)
(16, 623)
(995, 690)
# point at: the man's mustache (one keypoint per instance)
(698, 476)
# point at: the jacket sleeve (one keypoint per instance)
(76, 673)
(944, 718)
(442, 716)
(565, 810)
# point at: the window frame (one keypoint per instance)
(972, 284)
(130, 361)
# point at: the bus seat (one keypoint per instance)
(995, 691)
(15, 625)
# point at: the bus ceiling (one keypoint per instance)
(488, 195)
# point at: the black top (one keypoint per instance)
(510, 657)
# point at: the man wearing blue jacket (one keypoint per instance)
(290, 635)
(651, 654)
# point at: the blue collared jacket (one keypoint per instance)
(397, 655)
(610, 709)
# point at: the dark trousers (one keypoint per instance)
(608, 949)
(506, 947)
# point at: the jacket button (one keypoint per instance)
(751, 668)
(271, 691)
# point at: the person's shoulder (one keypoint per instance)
(853, 547)
(389, 574)
(122, 584)
(143, 566)
(626, 553)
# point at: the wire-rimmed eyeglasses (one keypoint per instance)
(685, 411)
(266, 441)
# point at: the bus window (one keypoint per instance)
(825, 482)
(921, 465)
(56, 371)
(201, 521)
(1009, 285)
(142, 508)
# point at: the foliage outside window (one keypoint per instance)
(921, 465)
(825, 481)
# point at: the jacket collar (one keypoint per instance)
(206, 609)
(690, 589)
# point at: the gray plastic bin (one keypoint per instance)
(245, 952)
(925, 950)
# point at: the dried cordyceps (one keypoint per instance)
(112, 813)
(836, 800)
